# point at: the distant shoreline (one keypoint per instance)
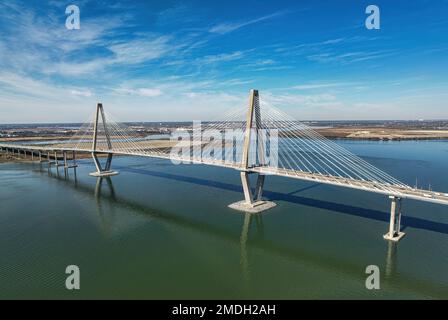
(335, 133)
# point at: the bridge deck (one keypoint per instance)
(390, 190)
(370, 186)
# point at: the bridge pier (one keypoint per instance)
(74, 159)
(40, 157)
(100, 171)
(56, 159)
(66, 164)
(253, 202)
(49, 159)
(394, 233)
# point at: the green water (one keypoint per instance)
(159, 230)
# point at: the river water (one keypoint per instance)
(160, 230)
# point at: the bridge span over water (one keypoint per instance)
(254, 140)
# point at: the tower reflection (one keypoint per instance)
(106, 216)
(244, 259)
(391, 259)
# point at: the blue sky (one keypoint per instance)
(187, 60)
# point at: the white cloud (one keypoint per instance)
(13, 84)
(150, 92)
(143, 92)
(83, 93)
(24, 99)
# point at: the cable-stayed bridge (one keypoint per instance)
(259, 139)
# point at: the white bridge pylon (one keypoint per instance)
(258, 140)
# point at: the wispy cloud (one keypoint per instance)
(143, 92)
(300, 100)
(20, 85)
(75, 68)
(223, 57)
(350, 57)
(312, 86)
(140, 50)
(227, 27)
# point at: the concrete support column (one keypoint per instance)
(394, 233)
(108, 162)
(65, 159)
(246, 188)
(97, 162)
(259, 187)
(248, 196)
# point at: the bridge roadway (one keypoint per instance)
(405, 192)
